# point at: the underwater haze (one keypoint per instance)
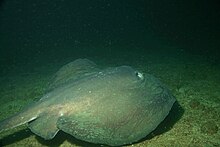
(176, 41)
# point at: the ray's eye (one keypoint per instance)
(139, 75)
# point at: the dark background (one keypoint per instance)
(47, 30)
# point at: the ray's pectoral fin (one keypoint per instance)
(66, 125)
(71, 126)
(45, 125)
(83, 128)
(71, 72)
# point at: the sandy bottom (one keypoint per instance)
(194, 120)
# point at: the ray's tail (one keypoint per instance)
(17, 119)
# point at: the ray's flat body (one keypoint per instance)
(112, 106)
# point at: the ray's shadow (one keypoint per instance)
(15, 137)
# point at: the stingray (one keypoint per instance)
(112, 106)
